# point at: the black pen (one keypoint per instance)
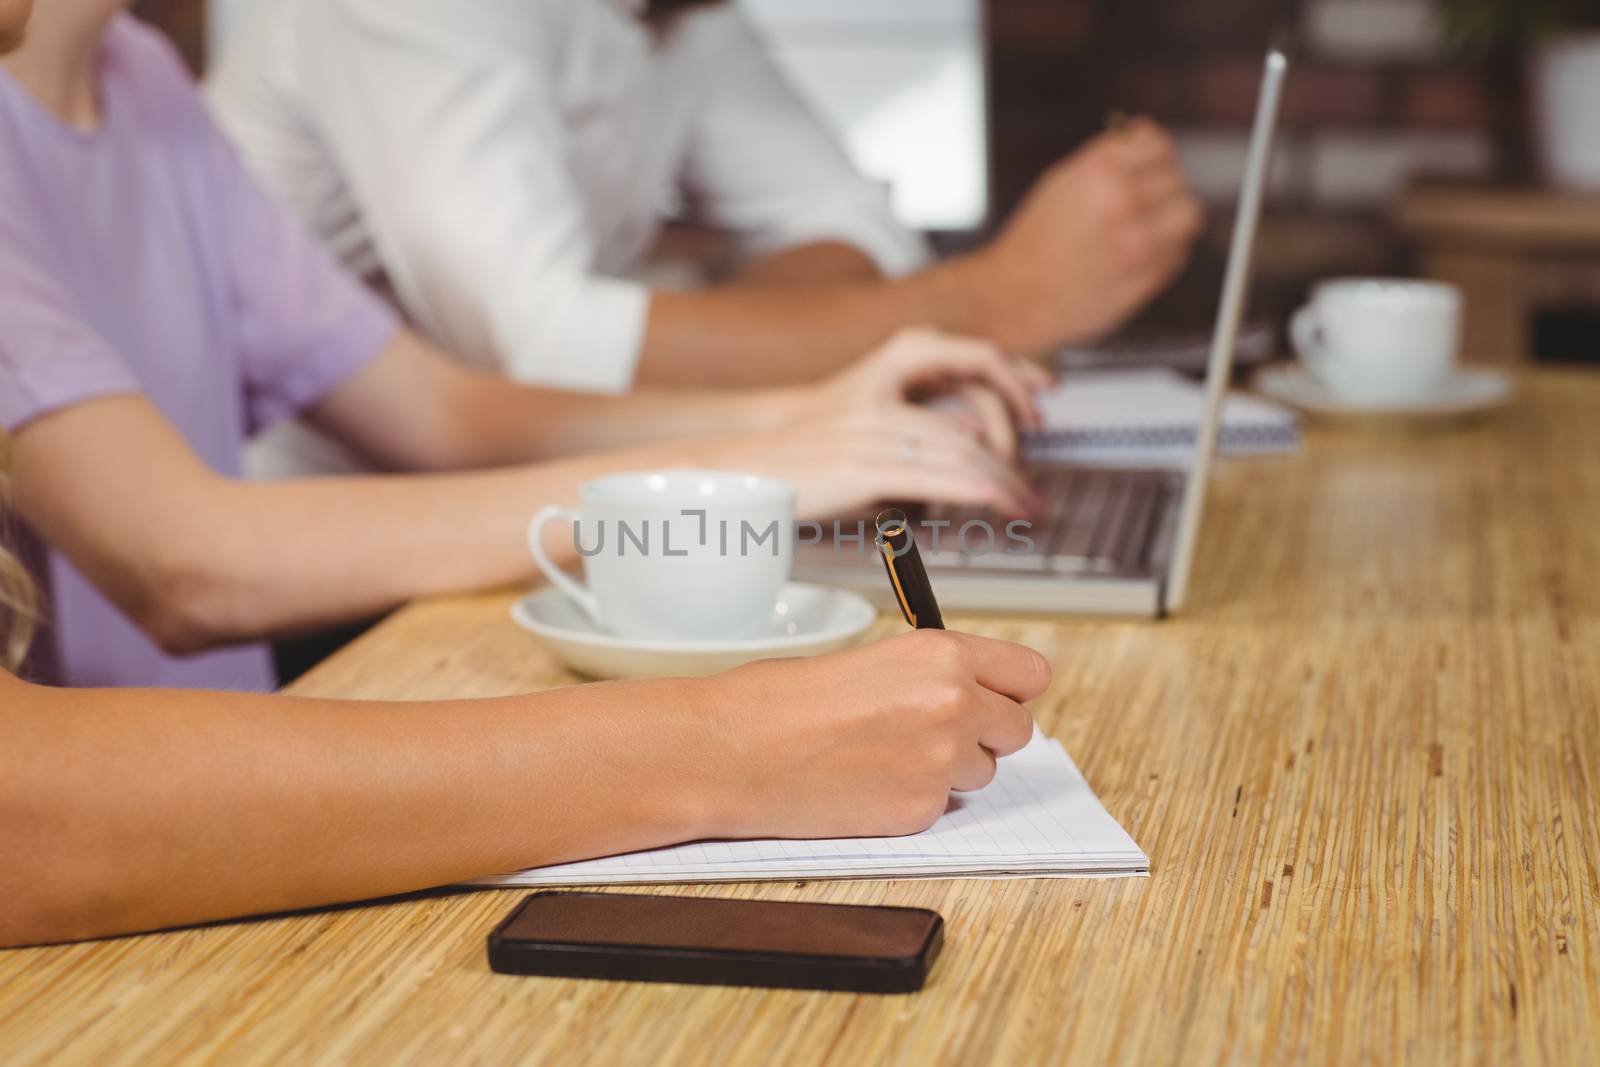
(907, 575)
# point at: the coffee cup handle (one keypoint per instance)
(573, 589)
(1306, 330)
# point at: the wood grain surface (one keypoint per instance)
(1364, 767)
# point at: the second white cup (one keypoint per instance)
(1380, 338)
(687, 555)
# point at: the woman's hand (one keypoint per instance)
(993, 390)
(844, 462)
(865, 743)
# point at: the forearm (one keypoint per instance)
(309, 802)
(413, 408)
(778, 336)
(198, 560)
(507, 423)
(128, 810)
(820, 263)
(290, 557)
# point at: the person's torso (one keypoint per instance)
(626, 97)
(117, 220)
(117, 217)
(628, 100)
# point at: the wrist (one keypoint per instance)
(719, 796)
(697, 804)
(787, 405)
(958, 296)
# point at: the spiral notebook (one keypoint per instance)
(1037, 819)
(1151, 417)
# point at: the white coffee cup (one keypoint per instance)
(1380, 338)
(690, 555)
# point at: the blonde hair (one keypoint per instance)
(19, 601)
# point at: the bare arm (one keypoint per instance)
(133, 810)
(198, 559)
(816, 263)
(201, 560)
(1101, 232)
(413, 408)
(128, 810)
(740, 335)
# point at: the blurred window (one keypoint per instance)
(903, 83)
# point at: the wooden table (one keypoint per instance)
(1365, 768)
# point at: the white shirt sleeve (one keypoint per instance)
(762, 164)
(445, 126)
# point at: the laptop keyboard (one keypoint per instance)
(1096, 522)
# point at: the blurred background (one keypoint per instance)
(1452, 138)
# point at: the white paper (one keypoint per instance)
(1038, 818)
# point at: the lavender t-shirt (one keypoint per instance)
(141, 258)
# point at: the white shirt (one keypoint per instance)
(501, 166)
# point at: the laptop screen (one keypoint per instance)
(1235, 288)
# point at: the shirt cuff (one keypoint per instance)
(587, 340)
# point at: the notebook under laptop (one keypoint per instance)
(1112, 541)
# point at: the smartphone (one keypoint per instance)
(714, 941)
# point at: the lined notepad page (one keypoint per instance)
(1038, 818)
(1151, 417)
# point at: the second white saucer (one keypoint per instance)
(807, 620)
(1469, 390)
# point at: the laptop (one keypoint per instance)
(1112, 542)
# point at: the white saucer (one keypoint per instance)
(807, 620)
(1469, 390)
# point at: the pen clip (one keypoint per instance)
(894, 580)
(892, 524)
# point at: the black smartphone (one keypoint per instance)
(714, 941)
